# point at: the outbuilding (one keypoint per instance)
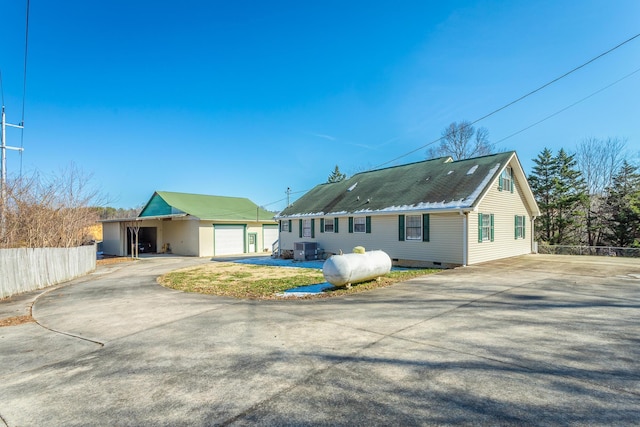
(193, 225)
(437, 212)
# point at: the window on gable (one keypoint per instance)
(328, 225)
(359, 224)
(506, 180)
(413, 224)
(519, 231)
(306, 228)
(284, 225)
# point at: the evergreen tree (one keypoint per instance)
(542, 182)
(336, 175)
(559, 190)
(623, 208)
(570, 193)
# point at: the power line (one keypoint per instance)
(1, 87)
(24, 81)
(569, 106)
(518, 99)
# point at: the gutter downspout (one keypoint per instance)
(465, 237)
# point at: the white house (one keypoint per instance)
(436, 212)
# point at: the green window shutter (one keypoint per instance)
(350, 224)
(479, 228)
(500, 183)
(280, 226)
(322, 225)
(367, 224)
(524, 226)
(492, 227)
(335, 225)
(425, 227)
(313, 228)
(290, 228)
(512, 183)
(300, 222)
(401, 228)
(515, 228)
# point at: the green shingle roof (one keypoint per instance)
(427, 185)
(210, 208)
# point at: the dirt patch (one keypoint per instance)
(113, 260)
(16, 320)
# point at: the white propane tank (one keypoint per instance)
(340, 270)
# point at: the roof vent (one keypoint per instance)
(352, 187)
(472, 170)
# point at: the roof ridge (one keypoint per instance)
(199, 194)
(485, 156)
(402, 165)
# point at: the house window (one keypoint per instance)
(485, 228)
(284, 225)
(328, 225)
(359, 225)
(306, 228)
(506, 180)
(414, 227)
(519, 232)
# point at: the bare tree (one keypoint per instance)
(54, 212)
(462, 141)
(598, 161)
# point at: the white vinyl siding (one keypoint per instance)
(505, 206)
(445, 242)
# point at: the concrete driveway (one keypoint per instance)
(539, 339)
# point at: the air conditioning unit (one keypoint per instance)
(304, 251)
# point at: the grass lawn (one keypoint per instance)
(264, 282)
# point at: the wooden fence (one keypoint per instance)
(27, 269)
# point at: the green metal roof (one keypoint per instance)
(210, 208)
(428, 185)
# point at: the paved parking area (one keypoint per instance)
(539, 339)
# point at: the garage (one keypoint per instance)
(228, 239)
(270, 235)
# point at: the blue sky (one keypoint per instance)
(247, 98)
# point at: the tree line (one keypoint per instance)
(590, 197)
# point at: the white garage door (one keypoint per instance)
(228, 239)
(270, 233)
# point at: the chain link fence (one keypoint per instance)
(589, 250)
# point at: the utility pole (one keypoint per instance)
(288, 196)
(3, 170)
(4, 148)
